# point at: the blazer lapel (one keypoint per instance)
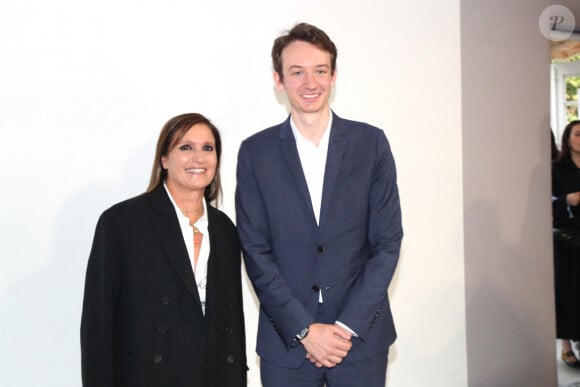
(288, 146)
(333, 158)
(167, 228)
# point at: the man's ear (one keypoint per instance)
(278, 81)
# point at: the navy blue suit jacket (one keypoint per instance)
(350, 256)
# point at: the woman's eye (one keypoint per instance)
(185, 147)
(208, 148)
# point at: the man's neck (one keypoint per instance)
(312, 126)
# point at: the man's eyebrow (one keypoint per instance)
(299, 67)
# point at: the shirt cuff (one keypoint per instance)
(346, 327)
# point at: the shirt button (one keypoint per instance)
(315, 288)
(230, 359)
(321, 249)
(157, 359)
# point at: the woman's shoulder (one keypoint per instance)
(219, 217)
(562, 168)
(222, 225)
(126, 207)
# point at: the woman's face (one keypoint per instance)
(574, 140)
(192, 162)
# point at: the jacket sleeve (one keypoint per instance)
(97, 322)
(561, 211)
(368, 295)
(285, 312)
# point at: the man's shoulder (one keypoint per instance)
(265, 137)
(360, 126)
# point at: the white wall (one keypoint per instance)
(85, 88)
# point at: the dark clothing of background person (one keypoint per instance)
(142, 322)
(566, 179)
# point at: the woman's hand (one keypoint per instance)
(573, 199)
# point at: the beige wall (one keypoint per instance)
(506, 180)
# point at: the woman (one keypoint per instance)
(566, 222)
(163, 298)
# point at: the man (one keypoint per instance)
(320, 224)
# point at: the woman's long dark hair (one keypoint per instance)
(565, 152)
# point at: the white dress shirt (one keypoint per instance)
(313, 160)
(200, 270)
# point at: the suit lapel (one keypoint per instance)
(167, 228)
(213, 263)
(333, 158)
(288, 145)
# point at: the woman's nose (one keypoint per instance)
(198, 156)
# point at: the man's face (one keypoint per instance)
(307, 77)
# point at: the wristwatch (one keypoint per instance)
(303, 333)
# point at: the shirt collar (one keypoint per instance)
(303, 140)
(201, 224)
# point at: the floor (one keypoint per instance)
(567, 376)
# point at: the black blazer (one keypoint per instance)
(142, 322)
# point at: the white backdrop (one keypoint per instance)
(86, 86)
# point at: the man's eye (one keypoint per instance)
(208, 148)
(297, 73)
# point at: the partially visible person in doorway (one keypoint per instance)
(566, 224)
(163, 297)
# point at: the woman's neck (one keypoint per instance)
(575, 158)
(190, 201)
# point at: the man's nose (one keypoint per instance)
(309, 80)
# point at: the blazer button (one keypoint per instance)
(315, 288)
(320, 249)
(162, 329)
(230, 359)
(228, 331)
(165, 300)
(157, 359)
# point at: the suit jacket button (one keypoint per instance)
(320, 249)
(157, 359)
(315, 288)
(165, 300)
(230, 359)
(228, 331)
(161, 328)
